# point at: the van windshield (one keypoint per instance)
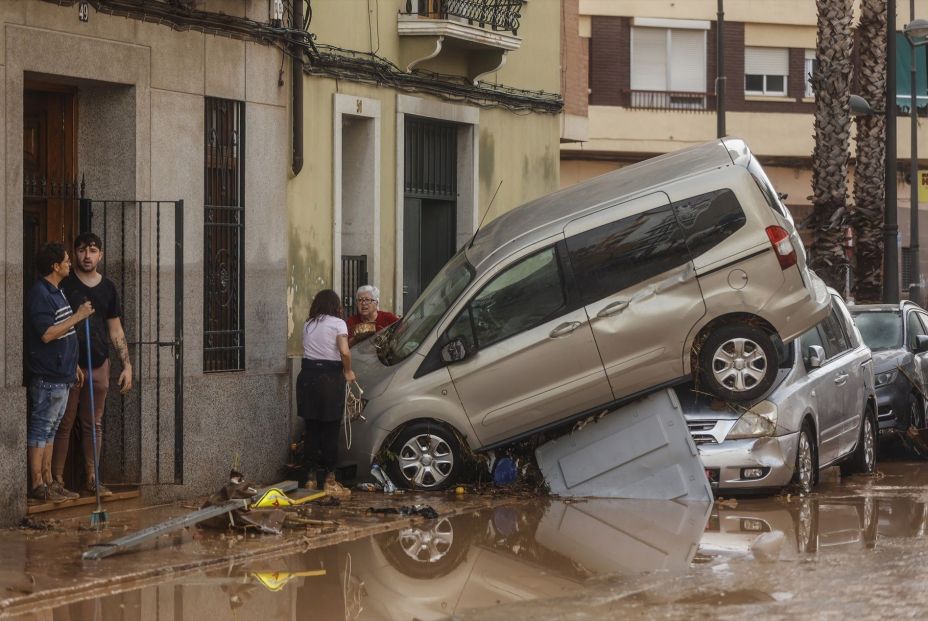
(405, 336)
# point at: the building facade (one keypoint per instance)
(164, 130)
(417, 113)
(651, 88)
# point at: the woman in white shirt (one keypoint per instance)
(325, 368)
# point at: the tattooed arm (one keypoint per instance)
(118, 338)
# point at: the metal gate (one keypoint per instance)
(354, 275)
(143, 254)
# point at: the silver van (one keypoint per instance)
(585, 299)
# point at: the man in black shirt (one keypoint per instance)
(86, 283)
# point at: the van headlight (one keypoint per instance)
(758, 422)
(886, 377)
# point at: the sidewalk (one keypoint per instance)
(42, 569)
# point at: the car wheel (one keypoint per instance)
(863, 460)
(427, 457)
(738, 362)
(916, 411)
(806, 472)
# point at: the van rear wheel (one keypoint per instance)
(427, 457)
(738, 362)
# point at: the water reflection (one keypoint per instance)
(777, 529)
(515, 553)
(434, 569)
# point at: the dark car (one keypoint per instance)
(898, 337)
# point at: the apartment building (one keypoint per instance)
(651, 79)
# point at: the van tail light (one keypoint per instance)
(782, 246)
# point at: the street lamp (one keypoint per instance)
(916, 31)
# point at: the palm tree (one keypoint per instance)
(831, 84)
(869, 178)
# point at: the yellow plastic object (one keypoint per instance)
(458, 490)
(275, 580)
(274, 499)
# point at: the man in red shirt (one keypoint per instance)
(369, 318)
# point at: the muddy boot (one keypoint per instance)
(334, 488)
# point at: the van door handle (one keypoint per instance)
(613, 309)
(841, 378)
(565, 328)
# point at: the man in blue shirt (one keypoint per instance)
(51, 358)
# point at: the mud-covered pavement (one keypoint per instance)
(855, 549)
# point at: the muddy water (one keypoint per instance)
(857, 548)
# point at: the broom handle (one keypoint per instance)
(93, 414)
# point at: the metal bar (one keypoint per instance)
(179, 336)
(890, 216)
(103, 550)
(141, 333)
(720, 78)
(915, 279)
(157, 274)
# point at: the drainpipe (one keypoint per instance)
(296, 76)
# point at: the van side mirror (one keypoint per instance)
(454, 351)
(921, 344)
(816, 356)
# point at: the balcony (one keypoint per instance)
(668, 100)
(474, 34)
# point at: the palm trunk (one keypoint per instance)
(869, 177)
(831, 83)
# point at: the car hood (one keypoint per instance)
(887, 359)
(373, 376)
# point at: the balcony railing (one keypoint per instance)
(669, 100)
(502, 15)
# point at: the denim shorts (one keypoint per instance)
(48, 405)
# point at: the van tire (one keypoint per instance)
(426, 456)
(735, 345)
(805, 475)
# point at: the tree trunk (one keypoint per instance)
(831, 84)
(869, 174)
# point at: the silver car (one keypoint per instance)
(583, 300)
(821, 412)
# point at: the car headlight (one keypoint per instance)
(758, 422)
(886, 377)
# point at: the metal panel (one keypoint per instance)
(642, 450)
(431, 159)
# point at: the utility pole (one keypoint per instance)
(915, 279)
(720, 72)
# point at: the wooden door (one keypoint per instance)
(50, 187)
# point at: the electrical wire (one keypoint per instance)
(328, 60)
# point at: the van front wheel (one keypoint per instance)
(738, 362)
(427, 456)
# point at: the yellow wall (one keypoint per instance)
(535, 65)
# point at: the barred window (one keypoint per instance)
(224, 236)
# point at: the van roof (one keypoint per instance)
(545, 216)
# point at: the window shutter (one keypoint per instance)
(688, 61)
(766, 61)
(649, 59)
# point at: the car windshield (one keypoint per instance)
(880, 330)
(405, 336)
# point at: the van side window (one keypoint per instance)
(519, 298)
(708, 219)
(913, 328)
(615, 256)
(835, 339)
(763, 184)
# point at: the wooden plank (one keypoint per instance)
(102, 550)
(79, 502)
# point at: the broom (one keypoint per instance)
(98, 518)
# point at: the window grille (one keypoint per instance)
(224, 236)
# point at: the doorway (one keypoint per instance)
(430, 211)
(51, 193)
